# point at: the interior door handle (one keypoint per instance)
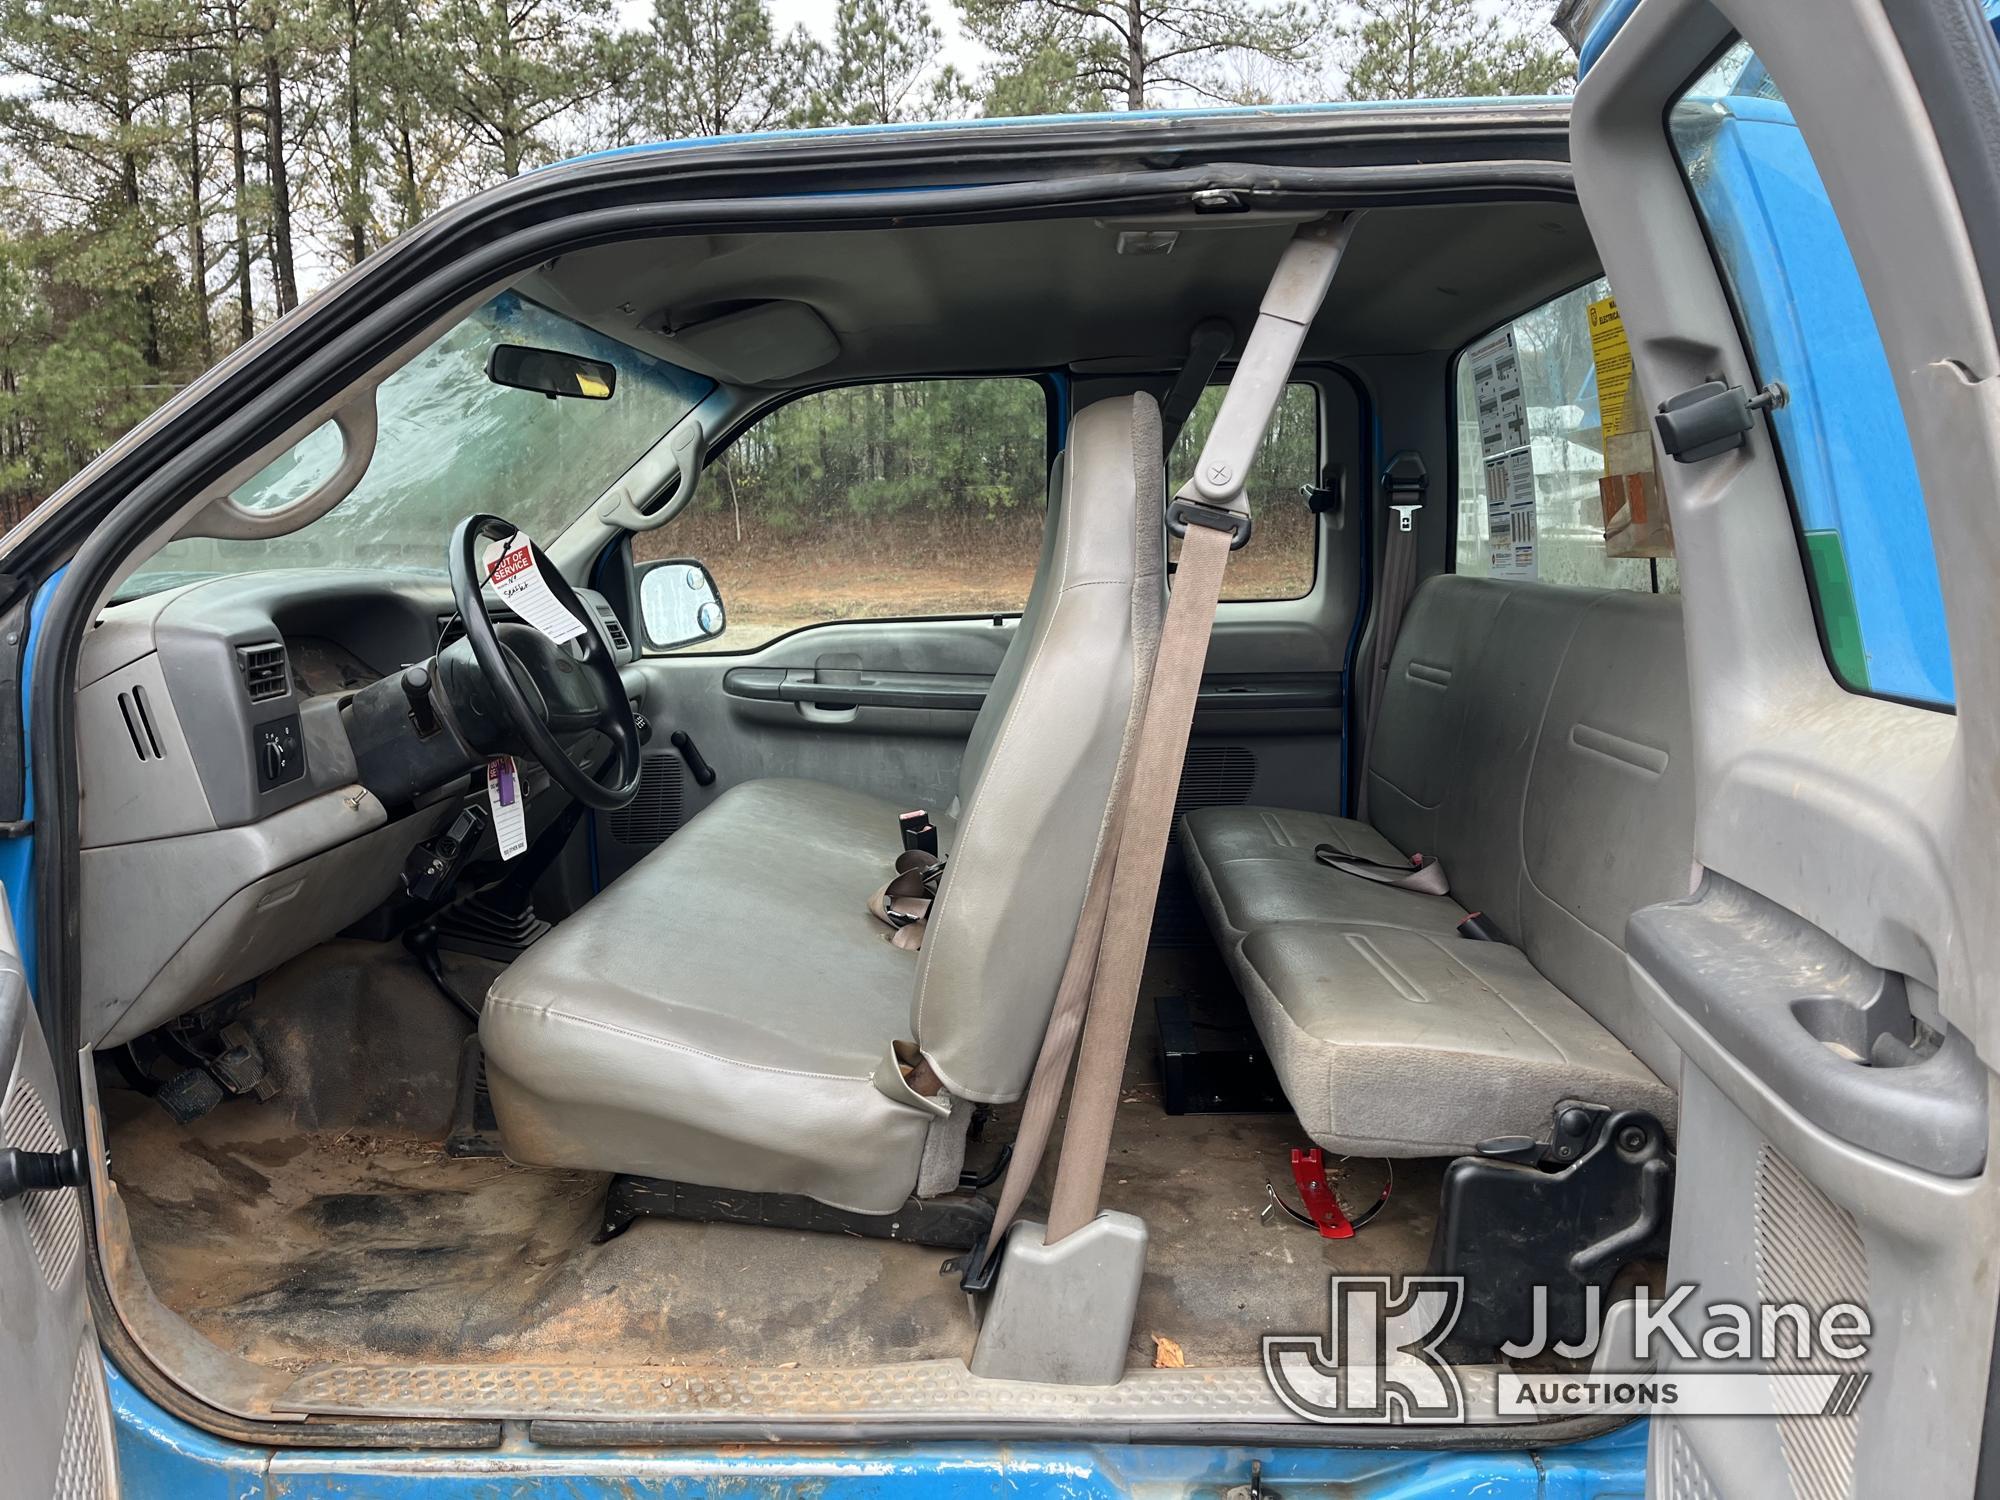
(1828, 1032)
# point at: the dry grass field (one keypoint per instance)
(773, 582)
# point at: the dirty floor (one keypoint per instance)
(328, 1224)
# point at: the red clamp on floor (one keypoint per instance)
(1309, 1172)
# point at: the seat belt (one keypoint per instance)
(1208, 346)
(1099, 989)
(1405, 483)
(904, 904)
(1422, 873)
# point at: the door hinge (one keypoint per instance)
(1711, 418)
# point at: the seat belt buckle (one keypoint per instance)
(918, 830)
(1183, 512)
(1480, 928)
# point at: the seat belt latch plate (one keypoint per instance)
(1183, 513)
(1309, 1172)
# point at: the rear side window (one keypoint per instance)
(1840, 436)
(1557, 476)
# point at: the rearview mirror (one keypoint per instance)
(679, 604)
(551, 372)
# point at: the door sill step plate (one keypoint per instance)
(918, 1392)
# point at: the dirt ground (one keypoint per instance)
(901, 569)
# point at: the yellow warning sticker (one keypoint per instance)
(597, 390)
(1617, 398)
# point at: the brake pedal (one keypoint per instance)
(190, 1094)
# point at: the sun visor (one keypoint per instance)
(756, 345)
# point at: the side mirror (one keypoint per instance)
(551, 372)
(679, 604)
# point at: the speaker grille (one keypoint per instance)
(653, 815)
(55, 1220)
(1809, 1250)
(1214, 776)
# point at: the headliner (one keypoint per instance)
(1053, 293)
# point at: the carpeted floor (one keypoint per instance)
(329, 1225)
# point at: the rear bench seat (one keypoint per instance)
(1536, 740)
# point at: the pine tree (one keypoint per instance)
(882, 67)
(1065, 53)
(89, 157)
(423, 142)
(508, 70)
(1442, 49)
(717, 67)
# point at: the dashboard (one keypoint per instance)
(225, 826)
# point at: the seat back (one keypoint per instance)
(1538, 740)
(1045, 754)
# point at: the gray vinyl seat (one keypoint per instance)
(1537, 741)
(729, 1014)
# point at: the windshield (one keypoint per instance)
(451, 443)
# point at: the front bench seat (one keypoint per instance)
(725, 1014)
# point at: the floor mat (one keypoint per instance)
(326, 1225)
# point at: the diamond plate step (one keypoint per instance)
(916, 1392)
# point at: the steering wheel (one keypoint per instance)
(595, 689)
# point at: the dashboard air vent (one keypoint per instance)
(613, 626)
(266, 674)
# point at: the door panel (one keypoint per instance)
(1832, 982)
(55, 1417)
(886, 708)
(750, 717)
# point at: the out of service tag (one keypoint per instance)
(504, 797)
(522, 588)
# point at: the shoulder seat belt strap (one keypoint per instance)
(1099, 989)
(1208, 346)
(1405, 483)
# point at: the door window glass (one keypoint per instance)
(1840, 434)
(1279, 560)
(871, 502)
(1557, 475)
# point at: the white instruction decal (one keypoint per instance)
(1506, 453)
(1496, 387)
(1510, 514)
(523, 589)
(504, 796)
